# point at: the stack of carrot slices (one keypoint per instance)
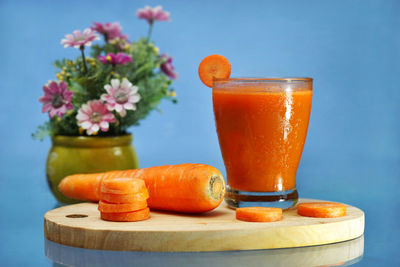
(123, 200)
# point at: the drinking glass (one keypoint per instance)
(262, 127)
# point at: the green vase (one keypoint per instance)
(78, 154)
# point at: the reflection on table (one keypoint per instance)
(343, 253)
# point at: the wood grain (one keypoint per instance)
(213, 231)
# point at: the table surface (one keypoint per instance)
(343, 253)
(23, 229)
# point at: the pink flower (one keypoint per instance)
(120, 58)
(79, 39)
(167, 67)
(153, 14)
(109, 30)
(57, 99)
(94, 116)
(121, 96)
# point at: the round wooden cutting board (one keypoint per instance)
(80, 225)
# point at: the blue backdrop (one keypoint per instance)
(350, 48)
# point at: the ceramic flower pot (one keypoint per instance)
(78, 154)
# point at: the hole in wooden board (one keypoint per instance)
(76, 216)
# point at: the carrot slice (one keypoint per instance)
(259, 214)
(107, 207)
(321, 209)
(123, 185)
(132, 216)
(212, 67)
(124, 198)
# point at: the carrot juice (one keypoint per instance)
(262, 127)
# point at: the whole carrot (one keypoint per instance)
(189, 187)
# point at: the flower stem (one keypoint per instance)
(82, 48)
(149, 32)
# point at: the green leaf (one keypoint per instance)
(42, 131)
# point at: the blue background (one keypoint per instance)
(350, 48)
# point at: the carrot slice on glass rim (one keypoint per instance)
(259, 214)
(122, 185)
(132, 216)
(214, 67)
(107, 207)
(321, 209)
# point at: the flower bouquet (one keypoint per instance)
(98, 97)
(112, 89)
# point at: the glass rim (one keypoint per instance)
(265, 80)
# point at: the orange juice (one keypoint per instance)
(262, 127)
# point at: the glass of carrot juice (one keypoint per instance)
(262, 127)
